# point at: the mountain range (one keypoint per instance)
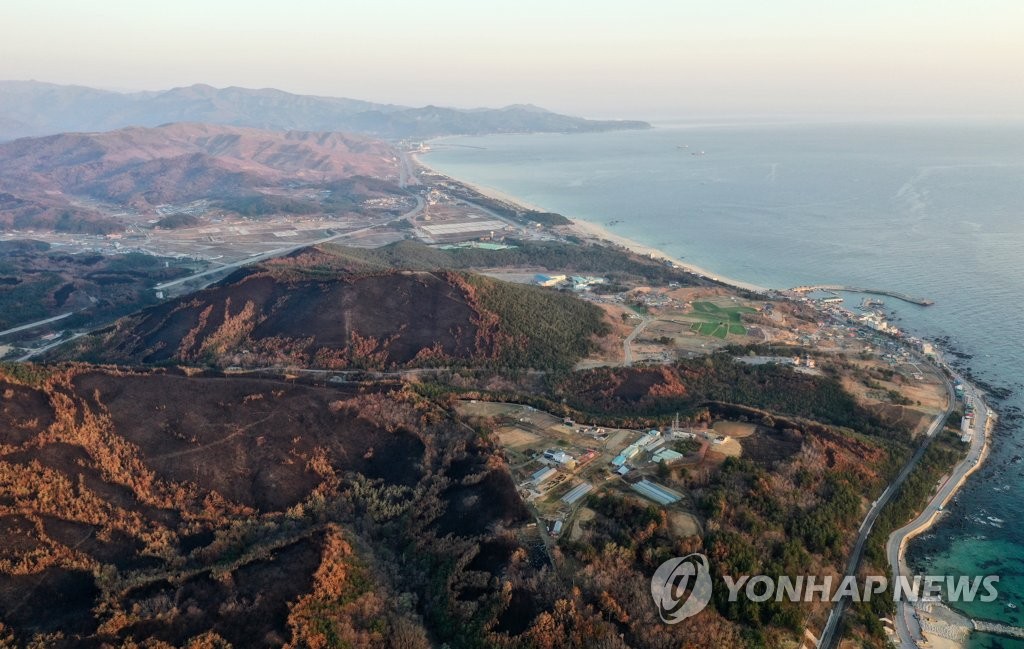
(44, 181)
(31, 108)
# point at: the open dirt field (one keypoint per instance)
(683, 524)
(516, 438)
(734, 429)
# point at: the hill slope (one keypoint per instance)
(288, 316)
(156, 508)
(30, 108)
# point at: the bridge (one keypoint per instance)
(873, 291)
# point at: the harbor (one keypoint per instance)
(837, 288)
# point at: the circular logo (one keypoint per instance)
(681, 587)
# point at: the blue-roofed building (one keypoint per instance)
(543, 474)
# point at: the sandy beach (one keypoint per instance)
(595, 232)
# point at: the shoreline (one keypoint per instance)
(595, 232)
(927, 518)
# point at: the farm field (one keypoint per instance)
(710, 319)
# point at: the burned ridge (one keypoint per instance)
(340, 320)
(156, 506)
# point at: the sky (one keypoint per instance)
(638, 58)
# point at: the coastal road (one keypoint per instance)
(908, 627)
(284, 251)
(829, 638)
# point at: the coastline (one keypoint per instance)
(599, 233)
(908, 618)
(925, 519)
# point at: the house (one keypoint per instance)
(558, 456)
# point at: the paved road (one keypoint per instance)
(406, 173)
(829, 637)
(908, 628)
(37, 323)
(35, 352)
(284, 251)
(627, 352)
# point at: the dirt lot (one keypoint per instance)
(684, 524)
(516, 437)
(734, 429)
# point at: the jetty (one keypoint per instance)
(873, 291)
(938, 619)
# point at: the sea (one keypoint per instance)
(931, 208)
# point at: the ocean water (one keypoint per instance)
(933, 209)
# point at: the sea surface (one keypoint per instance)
(934, 209)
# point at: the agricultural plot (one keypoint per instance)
(711, 319)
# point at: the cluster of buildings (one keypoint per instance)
(967, 423)
(651, 440)
(877, 321)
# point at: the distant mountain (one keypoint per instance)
(44, 181)
(30, 108)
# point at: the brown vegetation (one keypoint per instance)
(160, 508)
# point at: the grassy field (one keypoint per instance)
(718, 321)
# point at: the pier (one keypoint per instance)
(998, 629)
(873, 291)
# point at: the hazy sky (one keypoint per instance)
(628, 58)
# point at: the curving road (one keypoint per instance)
(829, 636)
(908, 627)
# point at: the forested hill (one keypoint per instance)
(296, 316)
(718, 378)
